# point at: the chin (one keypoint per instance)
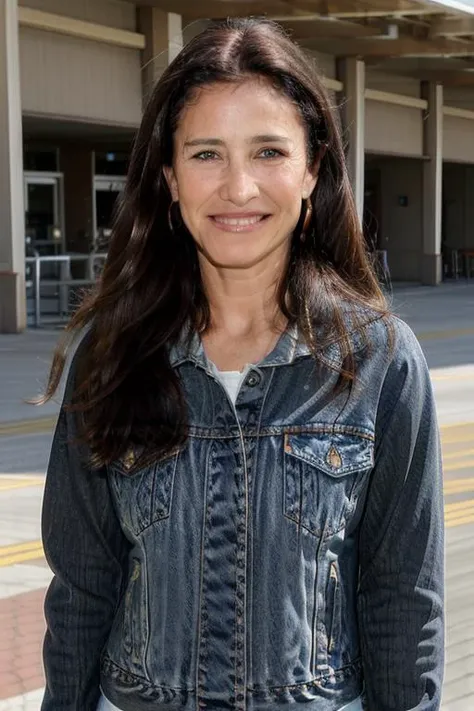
(237, 257)
(226, 261)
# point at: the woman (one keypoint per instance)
(243, 505)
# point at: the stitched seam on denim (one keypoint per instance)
(148, 609)
(250, 567)
(320, 465)
(201, 574)
(319, 533)
(272, 430)
(119, 468)
(319, 428)
(314, 681)
(113, 666)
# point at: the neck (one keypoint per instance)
(243, 301)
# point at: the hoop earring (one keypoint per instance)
(307, 219)
(170, 218)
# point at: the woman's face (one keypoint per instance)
(240, 170)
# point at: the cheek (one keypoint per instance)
(287, 181)
(194, 190)
(286, 192)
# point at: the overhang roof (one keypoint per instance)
(429, 39)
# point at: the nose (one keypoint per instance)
(239, 185)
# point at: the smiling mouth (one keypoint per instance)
(238, 223)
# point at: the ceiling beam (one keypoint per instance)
(448, 78)
(396, 14)
(452, 27)
(343, 9)
(359, 9)
(324, 27)
(403, 47)
(215, 9)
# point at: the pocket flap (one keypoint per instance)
(337, 454)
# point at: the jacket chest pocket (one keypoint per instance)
(322, 473)
(144, 497)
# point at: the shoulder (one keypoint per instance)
(393, 334)
(386, 348)
(387, 334)
(76, 349)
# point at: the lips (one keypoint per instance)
(239, 220)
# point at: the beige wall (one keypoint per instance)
(191, 28)
(69, 77)
(392, 129)
(385, 81)
(326, 63)
(113, 13)
(460, 97)
(458, 140)
(401, 227)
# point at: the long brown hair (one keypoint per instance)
(125, 388)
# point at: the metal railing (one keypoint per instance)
(93, 264)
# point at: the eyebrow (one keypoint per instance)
(265, 138)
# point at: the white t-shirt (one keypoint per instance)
(231, 380)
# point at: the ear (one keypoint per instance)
(310, 179)
(170, 178)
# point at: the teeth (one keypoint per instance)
(239, 220)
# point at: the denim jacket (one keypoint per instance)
(291, 552)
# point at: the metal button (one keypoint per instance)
(253, 379)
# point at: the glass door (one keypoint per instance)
(106, 191)
(43, 221)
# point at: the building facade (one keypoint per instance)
(74, 75)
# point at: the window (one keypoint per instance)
(111, 163)
(42, 159)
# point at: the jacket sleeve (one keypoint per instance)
(86, 550)
(401, 581)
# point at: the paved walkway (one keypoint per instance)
(444, 321)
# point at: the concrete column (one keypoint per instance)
(12, 216)
(431, 265)
(351, 72)
(164, 40)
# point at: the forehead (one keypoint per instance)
(249, 107)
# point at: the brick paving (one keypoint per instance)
(22, 628)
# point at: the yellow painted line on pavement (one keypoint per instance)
(461, 465)
(459, 433)
(40, 425)
(33, 554)
(20, 553)
(459, 513)
(18, 547)
(461, 439)
(459, 376)
(20, 485)
(458, 486)
(460, 521)
(457, 425)
(458, 454)
(441, 335)
(450, 509)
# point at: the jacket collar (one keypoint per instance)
(289, 347)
